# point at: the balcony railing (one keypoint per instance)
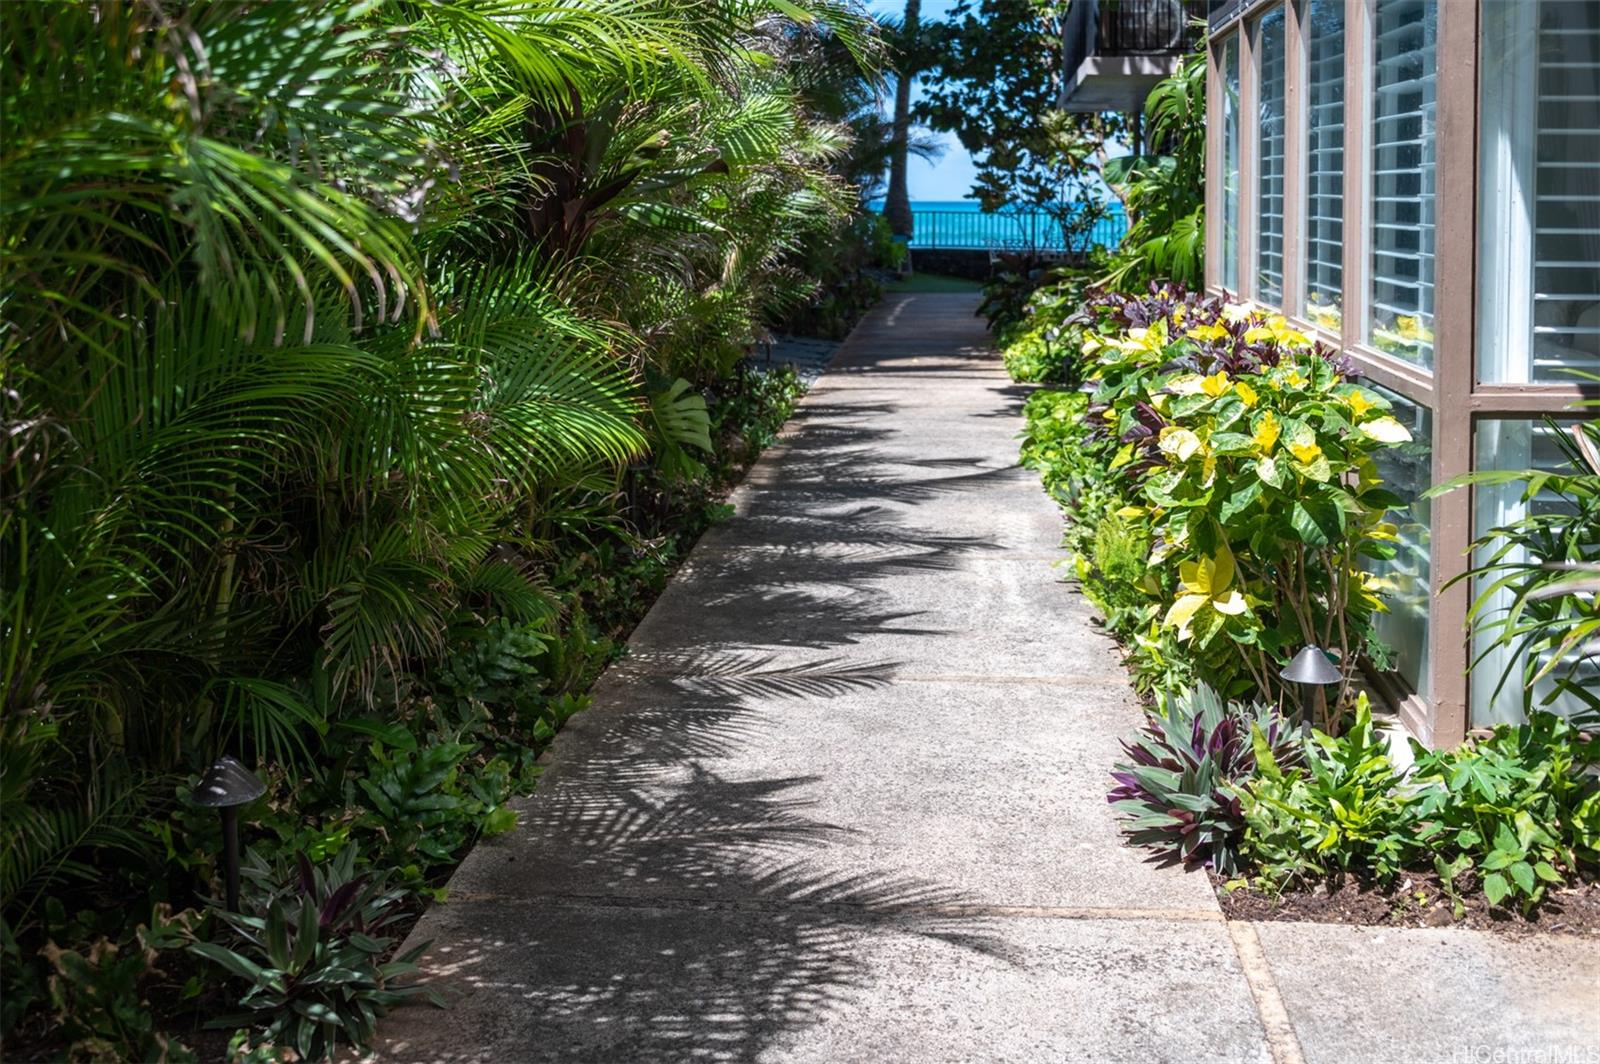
(1011, 230)
(1129, 27)
(1146, 27)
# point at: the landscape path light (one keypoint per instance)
(225, 787)
(1311, 672)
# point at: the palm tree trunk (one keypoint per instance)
(897, 208)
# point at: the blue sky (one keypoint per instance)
(951, 177)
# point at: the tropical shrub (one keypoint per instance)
(1009, 293)
(421, 809)
(1246, 459)
(1341, 811)
(100, 996)
(1175, 793)
(498, 667)
(1164, 193)
(1040, 347)
(1519, 809)
(308, 948)
(754, 412)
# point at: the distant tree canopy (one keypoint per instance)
(993, 77)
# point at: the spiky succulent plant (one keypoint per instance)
(1176, 792)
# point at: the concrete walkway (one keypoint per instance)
(844, 801)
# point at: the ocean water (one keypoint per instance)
(963, 224)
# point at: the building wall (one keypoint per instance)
(1445, 235)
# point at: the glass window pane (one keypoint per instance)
(1539, 212)
(1401, 178)
(1404, 579)
(1230, 163)
(1271, 76)
(1515, 444)
(1324, 209)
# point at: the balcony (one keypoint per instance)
(1116, 50)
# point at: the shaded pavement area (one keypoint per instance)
(844, 801)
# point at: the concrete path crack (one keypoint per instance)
(900, 912)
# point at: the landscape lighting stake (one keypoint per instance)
(1310, 671)
(225, 787)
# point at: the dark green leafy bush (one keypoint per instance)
(1520, 809)
(361, 446)
(415, 798)
(1516, 812)
(1011, 287)
(498, 666)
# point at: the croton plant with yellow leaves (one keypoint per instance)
(1247, 456)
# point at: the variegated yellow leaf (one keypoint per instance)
(1386, 430)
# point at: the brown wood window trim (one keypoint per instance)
(1357, 72)
(1249, 143)
(1321, 336)
(1214, 139)
(1526, 400)
(1455, 359)
(1397, 375)
(1294, 140)
(1414, 382)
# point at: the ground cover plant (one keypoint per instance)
(1177, 793)
(1510, 814)
(367, 367)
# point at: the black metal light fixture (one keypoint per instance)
(1311, 672)
(225, 787)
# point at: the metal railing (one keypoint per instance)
(1129, 27)
(1147, 27)
(1014, 230)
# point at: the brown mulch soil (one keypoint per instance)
(1415, 900)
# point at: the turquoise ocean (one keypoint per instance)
(964, 224)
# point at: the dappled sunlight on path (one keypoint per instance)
(846, 790)
(845, 797)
